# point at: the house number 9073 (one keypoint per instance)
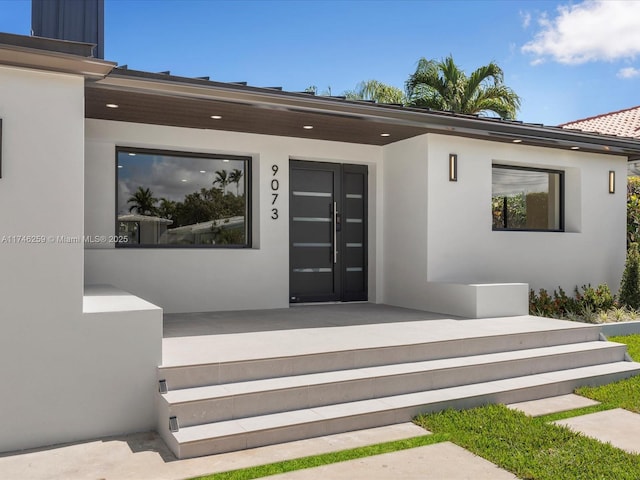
(275, 186)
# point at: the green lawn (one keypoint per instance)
(530, 447)
(625, 393)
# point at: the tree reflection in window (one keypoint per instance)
(526, 199)
(180, 199)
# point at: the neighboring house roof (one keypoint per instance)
(623, 123)
(134, 217)
(205, 227)
(125, 95)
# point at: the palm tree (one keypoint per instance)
(167, 209)
(234, 177)
(377, 91)
(442, 85)
(222, 179)
(144, 203)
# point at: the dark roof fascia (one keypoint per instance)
(445, 122)
(80, 49)
(35, 57)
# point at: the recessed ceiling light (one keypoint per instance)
(385, 134)
(112, 105)
(216, 117)
(183, 180)
(575, 148)
(307, 127)
(203, 171)
(517, 140)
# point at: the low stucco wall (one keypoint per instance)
(97, 379)
(475, 300)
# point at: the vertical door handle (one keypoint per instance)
(335, 232)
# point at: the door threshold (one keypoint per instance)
(306, 304)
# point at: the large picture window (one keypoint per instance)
(175, 199)
(527, 199)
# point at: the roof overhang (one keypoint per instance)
(52, 55)
(168, 100)
(163, 99)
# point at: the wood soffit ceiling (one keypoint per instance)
(240, 117)
(160, 99)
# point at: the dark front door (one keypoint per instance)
(328, 226)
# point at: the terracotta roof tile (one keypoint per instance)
(623, 123)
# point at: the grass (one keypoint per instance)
(325, 459)
(530, 447)
(633, 344)
(625, 393)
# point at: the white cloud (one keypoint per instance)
(628, 72)
(590, 31)
(526, 19)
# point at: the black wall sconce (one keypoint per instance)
(612, 181)
(453, 167)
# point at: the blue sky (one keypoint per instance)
(567, 60)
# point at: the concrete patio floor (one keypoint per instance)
(211, 337)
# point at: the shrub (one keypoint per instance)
(630, 287)
(541, 304)
(633, 210)
(595, 299)
(585, 303)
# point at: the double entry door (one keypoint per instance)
(328, 232)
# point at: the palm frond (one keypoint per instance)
(443, 85)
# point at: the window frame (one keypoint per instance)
(248, 161)
(561, 196)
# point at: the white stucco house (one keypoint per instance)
(273, 198)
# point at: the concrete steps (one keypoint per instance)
(243, 404)
(223, 372)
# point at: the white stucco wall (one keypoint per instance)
(439, 231)
(463, 247)
(405, 222)
(201, 279)
(60, 370)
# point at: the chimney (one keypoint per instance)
(76, 20)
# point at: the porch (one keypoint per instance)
(211, 337)
(235, 380)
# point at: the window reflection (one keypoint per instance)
(526, 199)
(175, 199)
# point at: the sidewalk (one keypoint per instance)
(439, 461)
(144, 456)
